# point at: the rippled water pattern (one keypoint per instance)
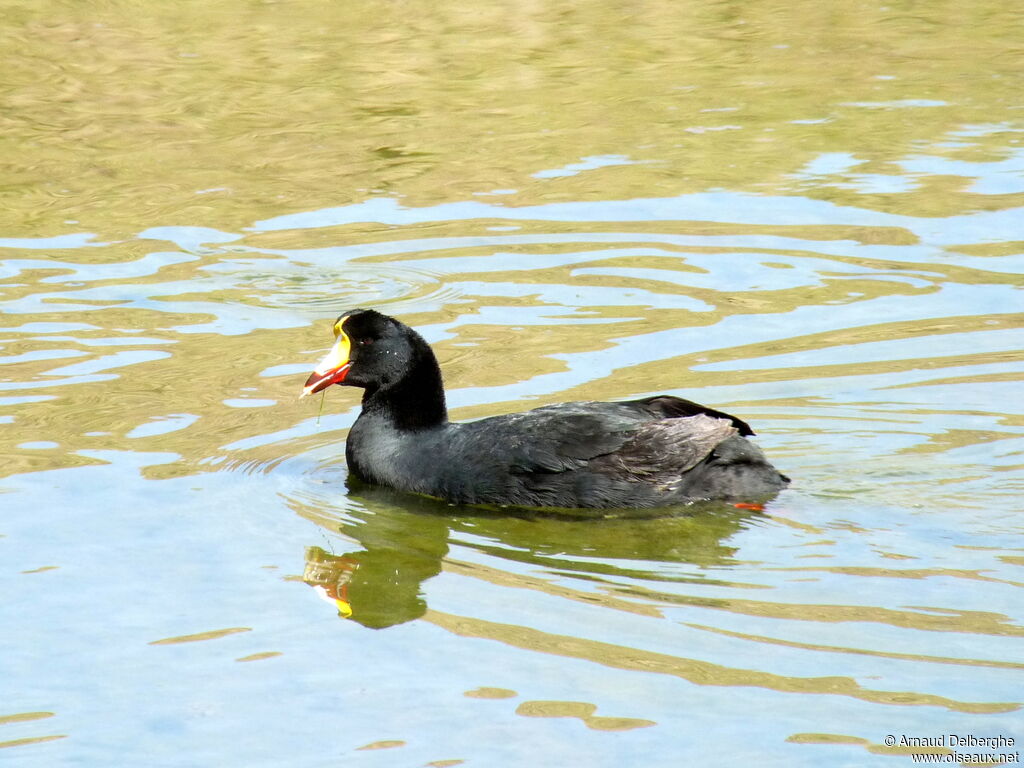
(810, 216)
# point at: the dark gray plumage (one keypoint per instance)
(652, 452)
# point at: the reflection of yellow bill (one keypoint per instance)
(343, 606)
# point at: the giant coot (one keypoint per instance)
(653, 452)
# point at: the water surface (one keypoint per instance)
(809, 216)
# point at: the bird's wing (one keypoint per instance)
(560, 441)
(612, 440)
(669, 406)
(661, 451)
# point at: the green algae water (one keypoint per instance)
(809, 216)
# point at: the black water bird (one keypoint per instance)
(653, 452)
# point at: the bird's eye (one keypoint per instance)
(365, 342)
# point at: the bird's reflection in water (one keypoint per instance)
(404, 540)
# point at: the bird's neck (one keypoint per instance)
(414, 402)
